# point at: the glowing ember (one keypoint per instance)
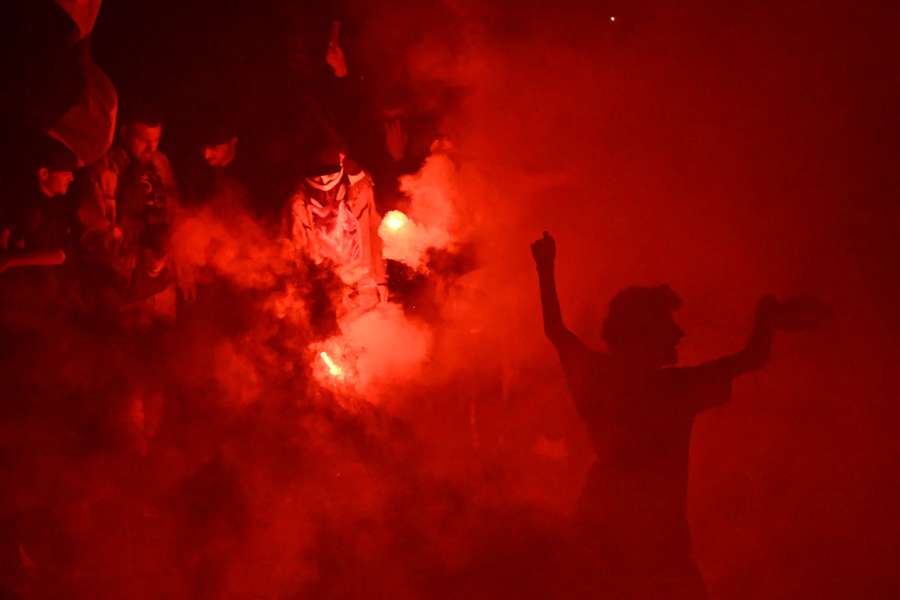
(395, 220)
(333, 368)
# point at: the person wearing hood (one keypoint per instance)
(331, 219)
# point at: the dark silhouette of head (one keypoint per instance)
(640, 328)
(54, 164)
(218, 138)
(323, 164)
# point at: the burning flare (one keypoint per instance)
(407, 241)
(431, 215)
(333, 368)
(395, 220)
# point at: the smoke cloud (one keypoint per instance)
(674, 144)
(728, 152)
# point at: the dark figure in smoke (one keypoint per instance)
(34, 232)
(219, 182)
(639, 411)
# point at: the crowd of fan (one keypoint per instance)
(96, 238)
(101, 318)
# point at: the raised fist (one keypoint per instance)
(334, 54)
(544, 250)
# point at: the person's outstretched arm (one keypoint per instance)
(36, 258)
(544, 253)
(794, 314)
(756, 352)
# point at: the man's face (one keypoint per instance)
(55, 183)
(220, 155)
(142, 140)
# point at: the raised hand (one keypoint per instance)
(544, 251)
(800, 313)
(334, 55)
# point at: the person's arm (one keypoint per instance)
(793, 314)
(755, 353)
(371, 239)
(294, 221)
(334, 55)
(544, 253)
(709, 385)
(286, 219)
(38, 258)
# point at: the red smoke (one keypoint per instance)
(728, 151)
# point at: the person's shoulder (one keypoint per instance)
(162, 165)
(357, 175)
(574, 351)
(599, 357)
(297, 206)
(298, 195)
(159, 157)
(675, 375)
(117, 159)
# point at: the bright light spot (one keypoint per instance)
(612, 19)
(333, 368)
(395, 220)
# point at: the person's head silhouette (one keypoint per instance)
(640, 328)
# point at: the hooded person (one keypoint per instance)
(331, 219)
(217, 178)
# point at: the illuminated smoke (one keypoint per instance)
(232, 244)
(395, 220)
(690, 172)
(374, 351)
(371, 350)
(237, 373)
(433, 191)
(408, 242)
(333, 364)
(431, 219)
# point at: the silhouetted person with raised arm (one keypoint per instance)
(639, 410)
